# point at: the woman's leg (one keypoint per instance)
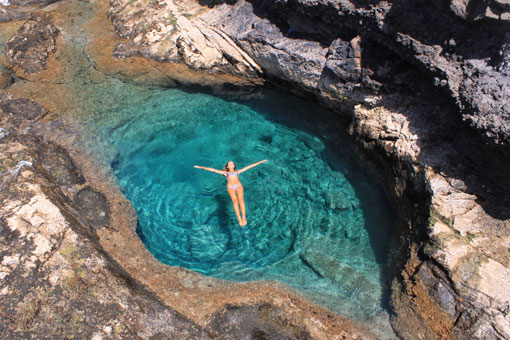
(233, 196)
(240, 196)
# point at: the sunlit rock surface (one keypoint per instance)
(457, 286)
(410, 94)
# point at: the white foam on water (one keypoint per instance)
(4, 2)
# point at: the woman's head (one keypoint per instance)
(230, 166)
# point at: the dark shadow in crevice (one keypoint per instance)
(295, 25)
(214, 3)
(473, 40)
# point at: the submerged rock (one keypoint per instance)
(351, 281)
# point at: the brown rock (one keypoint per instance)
(5, 78)
(31, 46)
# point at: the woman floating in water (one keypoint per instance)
(234, 187)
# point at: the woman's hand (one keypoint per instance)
(198, 167)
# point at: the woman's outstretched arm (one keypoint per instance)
(251, 166)
(221, 172)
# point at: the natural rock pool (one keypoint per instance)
(316, 220)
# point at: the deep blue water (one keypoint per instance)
(316, 221)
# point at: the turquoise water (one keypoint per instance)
(316, 221)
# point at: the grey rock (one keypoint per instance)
(294, 60)
(10, 14)
(58, 164)
(439, 289)
(31, 2)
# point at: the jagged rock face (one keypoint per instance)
(466, 60)
(457, 288)
(498, 10)
(163, 30)
(31, 46)
(343, 49)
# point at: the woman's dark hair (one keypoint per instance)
(225, 168)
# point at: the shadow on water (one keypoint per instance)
(139, 232)
(221, 213)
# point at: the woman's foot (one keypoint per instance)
(244, 222)
(240, 221)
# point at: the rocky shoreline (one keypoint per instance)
(429, 105)
(432, 98)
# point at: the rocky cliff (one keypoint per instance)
(342, 49)
(424, 85)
